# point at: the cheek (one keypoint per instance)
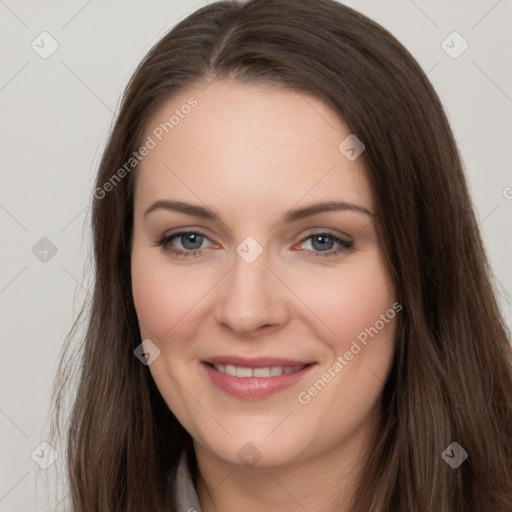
(362, 314)
(155, 295)
(162, 295)
(151, 299)
(351, 301)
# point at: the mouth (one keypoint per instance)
(256, 378)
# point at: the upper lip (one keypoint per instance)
(255, 362)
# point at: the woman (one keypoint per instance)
(292, 308)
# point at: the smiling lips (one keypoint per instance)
(255, 378)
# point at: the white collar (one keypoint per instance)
(186, 495)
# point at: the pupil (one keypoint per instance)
(325, 243)
(191, 241)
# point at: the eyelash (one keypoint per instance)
(165, 242)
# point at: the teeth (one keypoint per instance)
(276, 370)
(261, 372)
(270, 371)
(230, 370)
(243, 372)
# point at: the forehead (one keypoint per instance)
(248, 143)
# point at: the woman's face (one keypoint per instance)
(269, 300)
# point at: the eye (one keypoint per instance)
(191, 243)
(322, 245)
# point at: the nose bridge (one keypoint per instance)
(251, 296)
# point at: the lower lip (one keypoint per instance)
(254, 388)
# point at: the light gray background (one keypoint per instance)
(56, 114)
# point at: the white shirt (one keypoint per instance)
(186, 495)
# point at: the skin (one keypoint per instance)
(252, 153)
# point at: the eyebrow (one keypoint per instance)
(288, 217)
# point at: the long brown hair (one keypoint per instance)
(451, 379)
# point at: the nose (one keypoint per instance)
(252, 300)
